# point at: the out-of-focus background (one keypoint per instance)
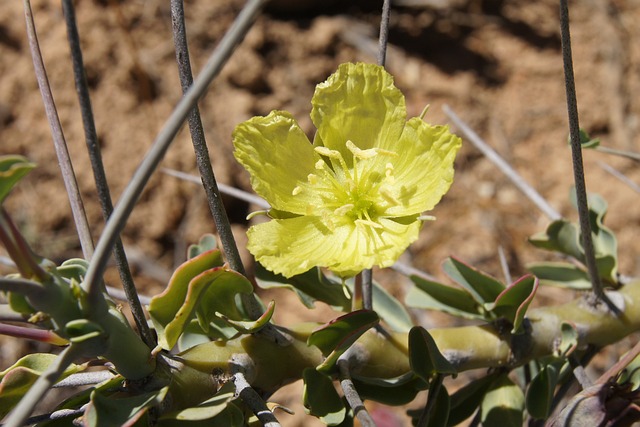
(497, 63)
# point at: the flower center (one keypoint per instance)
(356, 193)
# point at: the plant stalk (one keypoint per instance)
(576, 151)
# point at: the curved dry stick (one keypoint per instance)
(133, 190)
(70, 183)
(505, 167)
(576, 154)
(351, 394)
(100, 178)
(219, 213)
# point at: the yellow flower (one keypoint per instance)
(353, 198)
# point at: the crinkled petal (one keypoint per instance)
(279, 157)
(358, 103)
(423, 172)
(293, 246)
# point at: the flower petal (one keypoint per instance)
(278, 156)
(293, 246)
(358, 103)
(424, 171)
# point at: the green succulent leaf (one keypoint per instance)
(564, 237)
(483, 288)
(540, 392)
(585, 140)
(513, 302)
(209, 408)
(16, 380)
(388, 308)
(466, 401)
(394, 391)
(310, 286)
(207, 243)
(253, 326)
(115, 409)
(321, 398)
(424, 356)
(503, 404)
(196, 289)
(336, 337)
(431, 295)
(561, 274)
(12, 169)
(439, 414)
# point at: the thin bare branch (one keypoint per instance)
(85, 378)
(100, 178)
(621, 153)
(64, 160)
(576, 152)
(635, 187)
(504, 167)
(133, 190)
(253, 400)
(226, 189)
(198, 139)
(407, 270)
(384, 32)
(351, 394)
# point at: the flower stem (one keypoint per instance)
(576, 151)
(97, 166)
(62, 152)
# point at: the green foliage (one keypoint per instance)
(503, 404)
(321, 398)
(334, 338)
(563, 236)
(424, 356)
(201, 287)
(16, 380)
(12, 169)
(310, 286)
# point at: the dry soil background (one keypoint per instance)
(496, 63)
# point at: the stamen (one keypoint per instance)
(388, 196)
(256, 213)
(313, 179)
(368, 222)
(296, 190)
(426, 218)
(361, 154)
(332, 154)
(388, 173)
(320, 164)
(344, 209)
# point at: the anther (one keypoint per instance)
(359, 153)
(296, 190)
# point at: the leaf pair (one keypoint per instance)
(481, 296)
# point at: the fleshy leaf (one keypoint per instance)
(209, 408)
(336, 337)
(321, 398)
(16, 380)
(108, 408)
(586, 141)
(388, 308)
(513, 302)
(253, 326)
(540, 392)
(310, 286)
(12, 169)
(398, 391)
(564, 237)
(425, 357)
(196, 289)
(466, 401)
(439, 415)
(207, 243)
(436, 296)
(561, 274)
(483, 288)
(503, 404)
